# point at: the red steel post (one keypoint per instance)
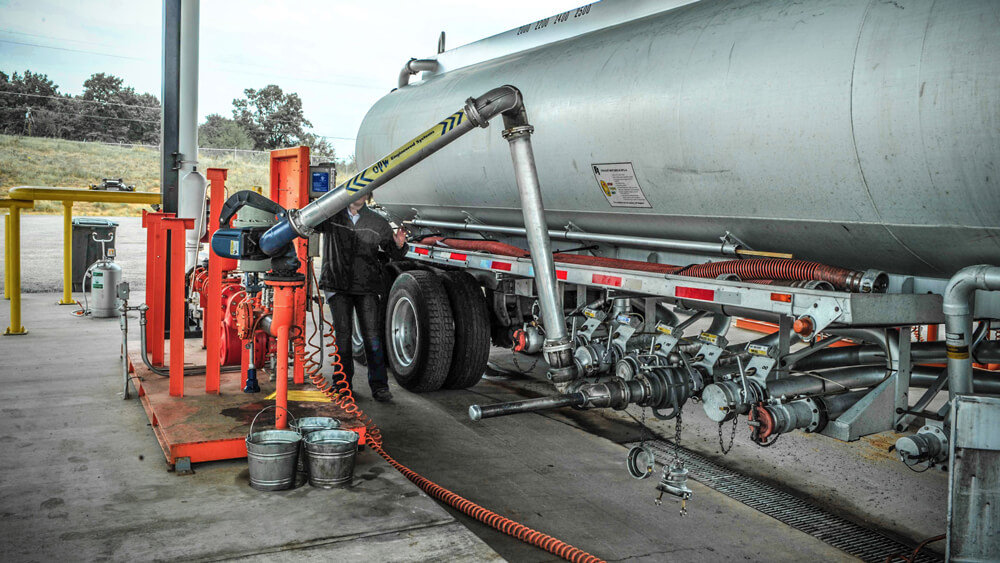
(156, 281)
(176, 227)
(213, 316)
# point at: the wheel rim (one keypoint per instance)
(405, 331)
(356, 338)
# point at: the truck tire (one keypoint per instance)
(472, 330)
(420, 331)
(357, 342)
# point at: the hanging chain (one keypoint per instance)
(513, 357)
(677, 441)
(732, 437)
(642, 428)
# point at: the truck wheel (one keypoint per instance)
(420, 331)
(472, 330)
(358, 343)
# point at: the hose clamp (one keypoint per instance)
(472, 112)
(295, 220)
(518, 132)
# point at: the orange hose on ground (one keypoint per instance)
(345, 401)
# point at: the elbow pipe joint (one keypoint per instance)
(414, 66)
(504, 100)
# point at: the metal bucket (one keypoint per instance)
(330, 454)
(271, 456)
(307, 425)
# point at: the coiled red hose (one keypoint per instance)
(345, 401)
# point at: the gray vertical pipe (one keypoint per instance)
(532, 208)
(958, 322)
(170, 103)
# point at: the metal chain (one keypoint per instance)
(677, 441)
(732, 437)
(642, 429)
(513, 357)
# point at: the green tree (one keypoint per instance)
(272, 118)
(223, 133)
(113, 112)
(319, 146)
(30, 104)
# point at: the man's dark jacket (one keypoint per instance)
(354, 254)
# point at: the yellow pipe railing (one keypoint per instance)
(25, 196)
(12, 259)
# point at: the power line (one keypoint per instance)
(12, 32)
(73, 99)
(86, 51)
(97, 116)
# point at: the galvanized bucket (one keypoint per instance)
(331, 457)
(307, 425)
(271, 455)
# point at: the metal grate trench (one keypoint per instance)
(851, 538)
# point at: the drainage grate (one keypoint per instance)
(802, 515)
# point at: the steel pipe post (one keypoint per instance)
(15, 327)
(6, 256)
(281, 322)
(67, 298)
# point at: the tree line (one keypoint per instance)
(110, 111)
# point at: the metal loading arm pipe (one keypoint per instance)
(476, 113)
(958, 322)
(716, 248)
(479, 412)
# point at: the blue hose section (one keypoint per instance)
(277, 238)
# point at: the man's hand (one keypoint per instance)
(400, 237)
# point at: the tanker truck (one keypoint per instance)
(828, 167)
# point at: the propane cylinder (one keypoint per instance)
(191, 205)
(105, 275)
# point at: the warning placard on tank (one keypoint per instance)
(620, 186)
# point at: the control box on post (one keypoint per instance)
(322, 179)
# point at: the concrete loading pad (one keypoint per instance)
(74, 485)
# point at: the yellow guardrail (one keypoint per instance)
(24, 197)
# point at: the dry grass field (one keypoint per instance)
(32, 161)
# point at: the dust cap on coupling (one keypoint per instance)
(475, 413)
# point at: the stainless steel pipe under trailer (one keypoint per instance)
(827, 166)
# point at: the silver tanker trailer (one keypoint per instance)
(830, 166)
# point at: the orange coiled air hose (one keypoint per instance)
(345, 401)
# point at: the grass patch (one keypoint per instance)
(33, 161)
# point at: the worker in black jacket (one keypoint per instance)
(356, 243)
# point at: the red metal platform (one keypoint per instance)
(201, 427)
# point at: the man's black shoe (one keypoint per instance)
(382, 395)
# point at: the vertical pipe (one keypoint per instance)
(958, 322)
(537, 233)
(169, 96)
(281, 378)
(67, 298)
(156, 286)
(6, 256)
(15, 273)
(284, 295)
(213, 301)
(557, 348)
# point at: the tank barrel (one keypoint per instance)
(477, 412)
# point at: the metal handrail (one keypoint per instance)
(24, 197)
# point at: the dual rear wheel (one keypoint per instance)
(437, 330)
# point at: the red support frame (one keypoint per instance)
(175, 227)
(217, 265)
(290, 189)
(156, 282)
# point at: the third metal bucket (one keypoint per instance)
(307, 425)
(330, 455)
(271, 456)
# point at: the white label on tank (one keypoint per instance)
(620, 186)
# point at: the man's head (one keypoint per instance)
(357, 204)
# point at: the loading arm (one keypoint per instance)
(505, 101)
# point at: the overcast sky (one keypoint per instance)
(340, 56)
